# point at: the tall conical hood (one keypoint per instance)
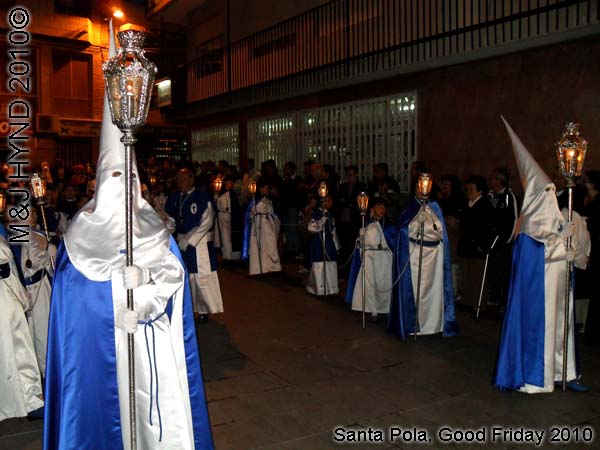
(95, 239)
(540, 215)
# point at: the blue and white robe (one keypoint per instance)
(323, 269)
(86, 375)
(261, 231)
(436, 308)
(194, 215)
(380, 237)
(530, 355)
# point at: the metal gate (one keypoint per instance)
(361, 133)
(221, 143)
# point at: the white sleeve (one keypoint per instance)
(196, 234)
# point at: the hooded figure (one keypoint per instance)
(87, 394)
(20, 381)
(230, 223)
(436, 308)
(530, 356)
(380, 238)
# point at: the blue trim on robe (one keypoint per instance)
(389, 233)
(81, 394)
(247, 230)
(521, 351)
(403, 309)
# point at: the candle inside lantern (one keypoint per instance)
(424, 185)
(2, 203)
(252, 187)
(323, 190)
(130, 99)
(363, 202)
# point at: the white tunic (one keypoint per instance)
(323, 276)
(378, 273)
(431, 303)
(223, 235)
(39, 293)
(20, 381)
(263, 252)
(166, 355)
(555, 269)
(204, 285)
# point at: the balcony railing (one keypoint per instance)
(350, 38)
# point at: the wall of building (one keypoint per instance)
(459, 107)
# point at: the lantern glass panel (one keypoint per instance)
(424, 185)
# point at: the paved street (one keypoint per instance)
(283, 369)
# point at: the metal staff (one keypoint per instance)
(252, 191)
(570, 152)
(129, 78)
(423, 189)
(323, 195)
(487, 257)
(363, 201)
(38, 188)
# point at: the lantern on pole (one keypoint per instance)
(152, 180)
(323, 191)
(38, 190)
(129, 78)
(217, 183)
(423, 190)
(570, 152)
(252, 187)
(363, 204)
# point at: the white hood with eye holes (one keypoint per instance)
(540, 216)
(95, 239)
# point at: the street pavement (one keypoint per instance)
(284, 369)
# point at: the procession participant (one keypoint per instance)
(380, 237)
(20, 381)
(34, 259)
(230, 222)
(261, 231)
(323, 252)
(193, 212)
(87, 382)
(436, 303)
(530, 356)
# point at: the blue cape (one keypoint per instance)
(247, 229)
(389, 232)
(3, 232)
(403, 309)
(81, 394)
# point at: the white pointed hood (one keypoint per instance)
(540, 216)
(95, 239)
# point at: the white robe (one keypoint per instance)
(223, 234)
(323, 276)
(378, 273)
(39, 293)
(20, 381)
(263, 234)
(173, 389)
(431, 304)
(555, 270)
(204, 285)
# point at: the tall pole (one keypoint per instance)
(324, 252)
(46, 232)
(568, 290)
(128, 139)
(364, 267)
(258, 231)
(420, 240)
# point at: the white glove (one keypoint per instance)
(51, 251)
(126, 320)
(135, 276)
(567, 231)
(183, 244)
(571, 254)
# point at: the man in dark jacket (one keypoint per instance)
(475, 240)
